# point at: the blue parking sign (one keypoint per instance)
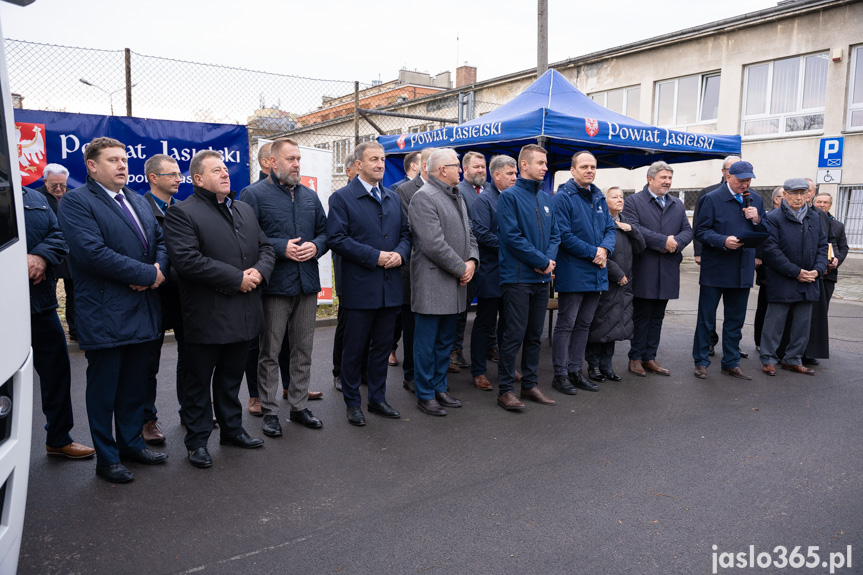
(830, 152)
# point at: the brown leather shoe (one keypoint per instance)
(393, 360)
(482, 382)
(509, 401)
(72, 451)
(255, 406)
(534, 394)
(737, 372)
(769, 369)
(635, 366)
(653, 367)
(453, 368)
(313, 395)
(151, 434)
(700, 371)
(798, 369)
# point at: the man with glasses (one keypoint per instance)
(443, 260)
(163, 175)
(55, 177)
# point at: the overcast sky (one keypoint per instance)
(350, 40)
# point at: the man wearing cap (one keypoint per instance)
(726, 217)
(795, 254)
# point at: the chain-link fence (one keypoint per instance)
(314, 112)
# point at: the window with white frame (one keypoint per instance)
(623, 101)
(323, 146)
(369, 138)
(688, 100)
(855, 90)
(341, 149)
(785, 96)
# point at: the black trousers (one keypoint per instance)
(482, 336)
(51, 362)
(218, 367)
(368, 336)
(339, 346)
(760, 314)
(599, 354)
(150, 411)
(523, 318)
(647, 316)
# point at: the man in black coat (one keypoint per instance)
(222, 258)
(824, 201)
(796, 256)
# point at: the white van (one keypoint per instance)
(16, 357)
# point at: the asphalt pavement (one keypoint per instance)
(646, 476)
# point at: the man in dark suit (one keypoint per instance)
(118, 259)
(164, 176)
(406, 193)
(45, 249)
(662, 220)
(824, 201)
(222, 258)
(367, 228)
(339, 337)
(55, 177)
(412, 165)
(728, 215)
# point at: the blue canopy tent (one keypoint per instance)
(568, 121)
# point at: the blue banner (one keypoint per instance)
(60, 138)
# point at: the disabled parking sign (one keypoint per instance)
(830, 152)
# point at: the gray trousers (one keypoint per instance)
(774, 325)
(297, 315)
(575, 312)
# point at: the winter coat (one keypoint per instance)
(43, 239)
(527, 233)
(793, 246)
(485, 228)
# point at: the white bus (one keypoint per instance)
(16, 357)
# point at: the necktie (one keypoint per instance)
(478, 189)
(376, 194)
(125, 208)
(739, 199)
(662, 201)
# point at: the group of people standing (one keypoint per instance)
(237, 279)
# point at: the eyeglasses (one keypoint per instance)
(173, 176)
(452, 166)
(57, 186)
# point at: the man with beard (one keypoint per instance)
(473, 169)
(368, 229)
(662, 220)
(293, 219)
(211, 240)
(587, 238)
(488, 295)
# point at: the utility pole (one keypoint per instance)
(541, 38)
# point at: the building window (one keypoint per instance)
(855, 88)
(421, 128)
(623, 101)
(341, 149)
(688, 100)
(323, 146)
(785, 96)
(369, 138)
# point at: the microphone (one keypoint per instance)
(747, 201)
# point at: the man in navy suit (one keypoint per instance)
(368, 229)
(118, 259)
(726, 216)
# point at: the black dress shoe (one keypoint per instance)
(446, 400)
(578, 380)
(116, 473)
(562, 384)
(712, 351)
(145, 456)
(743, 353)
(271, 426)
(594, 374)
(611, 376)
(306, 418)
(810, 361)
(409, 385)
(355, 416)
(243, 440)
(200, 458)
(384, 409)
(431, 407)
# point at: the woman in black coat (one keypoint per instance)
(613, 319)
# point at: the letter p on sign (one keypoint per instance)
(830, 152)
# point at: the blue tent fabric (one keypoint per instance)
(554, 109)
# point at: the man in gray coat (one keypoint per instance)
(443, 261)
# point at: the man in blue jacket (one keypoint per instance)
(46, 248)
(662, 220)
(489, 304)
(727, 216)
(796, 256)
(368, 229)
(118, 259)
(293, 219)
(528, 240)
(587, 238)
